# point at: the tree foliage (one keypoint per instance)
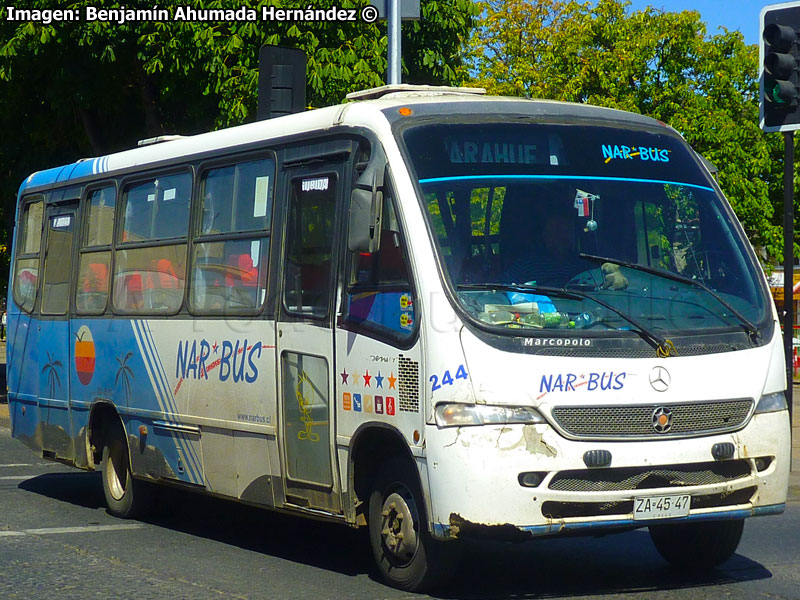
(87, 88)
(661, 64)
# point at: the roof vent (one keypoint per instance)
(158, 140)
(384, 90)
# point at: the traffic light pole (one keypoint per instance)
(788, 260)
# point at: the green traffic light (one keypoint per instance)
(783, 92)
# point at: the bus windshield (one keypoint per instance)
(624, 218)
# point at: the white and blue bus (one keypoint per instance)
(435, 313)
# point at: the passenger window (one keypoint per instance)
(100, 219)
(26, 275)
(32, 228)
(152, 279)
(237, 197)
(91, 291)
(379, 296)
(157, 209)
(229, 275)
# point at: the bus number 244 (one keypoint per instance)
(447, 379)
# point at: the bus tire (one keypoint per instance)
(406, 555)
(697, 546)
(126, 497)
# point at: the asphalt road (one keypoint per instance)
(57, 541)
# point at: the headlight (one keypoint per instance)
(772, 403)
(459, 415)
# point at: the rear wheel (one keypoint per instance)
(700, 545)
(405, 553)
(126, 497)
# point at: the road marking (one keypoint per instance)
(17, 477)
(30, 465)
(82, 529)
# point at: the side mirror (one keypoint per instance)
(366, 206)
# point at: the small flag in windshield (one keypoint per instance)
(582, 202)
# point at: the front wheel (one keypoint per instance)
(126, 497)
(405, 553)
(700, 545)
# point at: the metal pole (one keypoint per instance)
(788, 260)
(394, 22)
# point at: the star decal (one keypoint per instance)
(355, 377)
(215, 347)
(392, 379)
(367, 378)
(379, 380)
(344, 375)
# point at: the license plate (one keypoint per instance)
(661, 507)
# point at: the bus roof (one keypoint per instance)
(378, 105)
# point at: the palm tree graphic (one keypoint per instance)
(125, 373)
(52, 374)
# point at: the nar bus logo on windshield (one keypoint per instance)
(615, 151)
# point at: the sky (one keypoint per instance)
(733, 14)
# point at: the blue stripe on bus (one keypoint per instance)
(592, 178)
(162, 382)
(167, 406)
(149, 346)
(83, 168)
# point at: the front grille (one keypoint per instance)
(566, 510)
(688, 418)
(643, 478)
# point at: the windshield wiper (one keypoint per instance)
(663, 346)
(751, 329)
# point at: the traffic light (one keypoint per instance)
(780, 67)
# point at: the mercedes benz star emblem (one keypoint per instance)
(662, 419)
(659, 379)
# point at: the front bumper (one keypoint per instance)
(475, 489)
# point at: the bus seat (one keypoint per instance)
(133, 291)
(164, 275)
(96, 279)
(241, 271)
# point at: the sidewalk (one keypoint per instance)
(794, 477)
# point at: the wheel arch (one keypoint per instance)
(103, 420)
(371, 446)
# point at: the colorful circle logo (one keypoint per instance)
(84, 355)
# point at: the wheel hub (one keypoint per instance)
(398, 533)
(115, 485)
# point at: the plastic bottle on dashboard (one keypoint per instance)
(584, 320)
(554, 319)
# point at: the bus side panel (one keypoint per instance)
(222, 377)
(117, 361)
(22, 376)
(54, 368)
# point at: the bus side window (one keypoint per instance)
(229, 256)
(91, 293)
(26, 275)
(149, 277)
(379, 297)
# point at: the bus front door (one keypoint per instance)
(305, 336)
(55, 343)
